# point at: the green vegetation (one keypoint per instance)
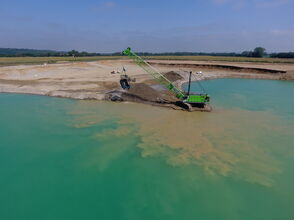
(258, 52)
(7, 61)
(11, 52)
(283, 55)
(224, 58)
(10, 56)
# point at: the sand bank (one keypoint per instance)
(94, 80)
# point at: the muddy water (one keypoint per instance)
(64, 159)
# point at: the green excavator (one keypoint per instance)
(187, 99)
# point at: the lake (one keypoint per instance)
(70, 159)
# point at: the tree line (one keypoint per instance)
(11, 52)
(257, 52)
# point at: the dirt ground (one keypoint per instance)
(100, 79)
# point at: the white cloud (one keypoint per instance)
(104, 6)
(235, 4)
(109, 4)
(203, 38)
(220, 2)
(281, 32)
(269, 3)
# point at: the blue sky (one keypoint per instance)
(151, 26)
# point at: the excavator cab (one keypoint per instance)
(196, 99)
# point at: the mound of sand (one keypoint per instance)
(173, 76)
(143, 92)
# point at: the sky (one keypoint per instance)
(148, 26)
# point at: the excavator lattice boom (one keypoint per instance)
(192, 99)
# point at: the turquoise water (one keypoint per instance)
(67, 159)
(250, 94)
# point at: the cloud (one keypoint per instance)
(212, 37)
(280, 32)
(220, 2)
(269, 3)
(209, 39)
(104, 6)
(235, 4)
(109, 4)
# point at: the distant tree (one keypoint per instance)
(283, 55)
(246, 54)
(83, 54)
(258, 52)
(73, 53)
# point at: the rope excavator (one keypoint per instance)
(187, 100)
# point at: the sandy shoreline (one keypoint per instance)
(93, 80)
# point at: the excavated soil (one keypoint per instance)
(143, 92)
(173, 76)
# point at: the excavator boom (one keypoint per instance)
(193, 99)
(154, 72)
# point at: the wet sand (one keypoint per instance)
(93, 80)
